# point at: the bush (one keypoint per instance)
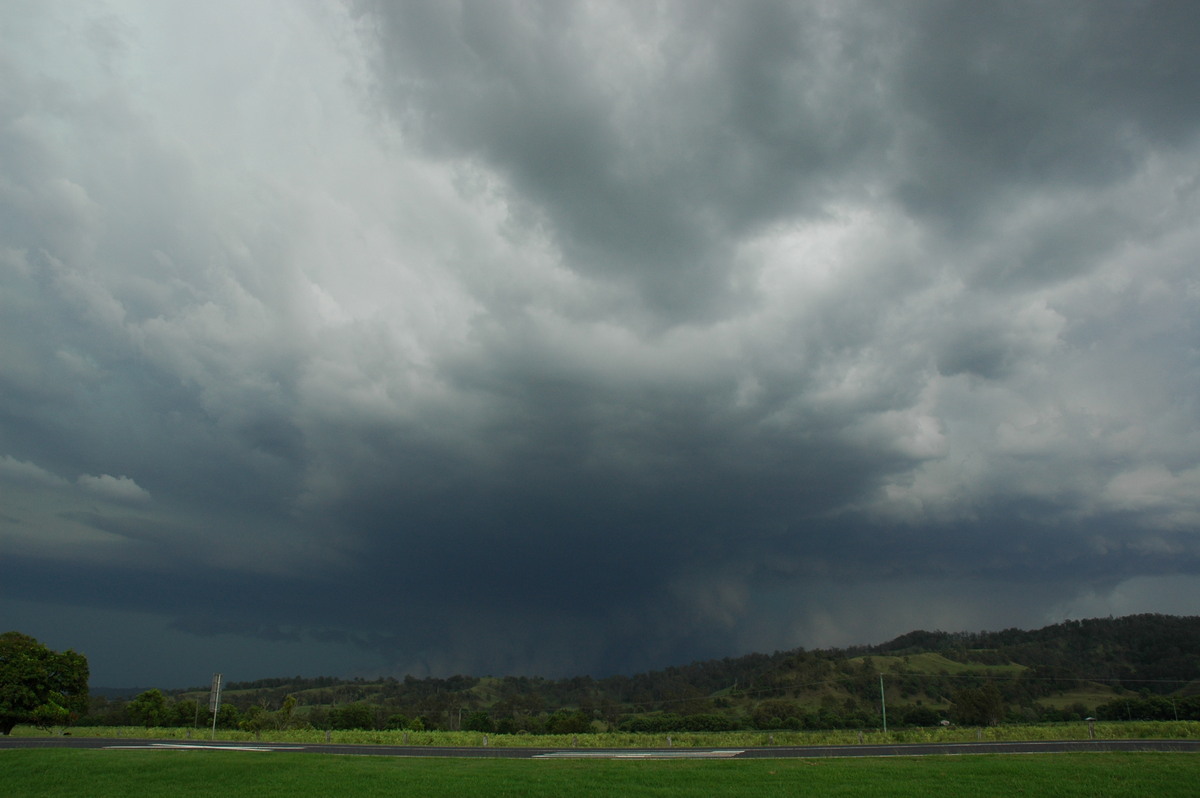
(655, 724)
(568, 723)
(919, 716)
(352, 716)
(479, 721)
(707, 723)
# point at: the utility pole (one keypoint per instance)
(214, 702)
(882, 703)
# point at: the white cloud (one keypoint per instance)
(122, 488)
(24, 471)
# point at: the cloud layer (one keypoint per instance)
(565, 337)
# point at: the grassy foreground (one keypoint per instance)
(103, 774)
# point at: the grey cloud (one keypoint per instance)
(644, 136)
(22, 471)
(561, 338)
(208, 627)
(1010, 97)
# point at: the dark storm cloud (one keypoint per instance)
(1014, 96)
(647, 137)
(519, 337)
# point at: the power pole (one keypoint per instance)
(214, 701)
(882, 703)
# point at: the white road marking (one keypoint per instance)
(682, 754)
(202, 746)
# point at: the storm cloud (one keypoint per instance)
(560, 338)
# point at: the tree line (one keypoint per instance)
(1137, 667)
(975, 706)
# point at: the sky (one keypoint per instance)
(560, 338)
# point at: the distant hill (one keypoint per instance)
(115, 692)
(1136, 650)
(1059, 672)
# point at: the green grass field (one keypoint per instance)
(117, 774)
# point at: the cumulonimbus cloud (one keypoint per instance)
(705, 325)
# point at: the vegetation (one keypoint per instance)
(50, 772)
(1144, 667)
(1105, 730)
(39, 686)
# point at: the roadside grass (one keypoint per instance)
(34, 773)
(1119, 730)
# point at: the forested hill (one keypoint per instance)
(1138, 649)
(1068, 670)
(1138, 652)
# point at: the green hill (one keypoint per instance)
(1147, 665)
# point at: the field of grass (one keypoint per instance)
(1089, 695)
(34, 773)
(1123, 730)
(932, 662)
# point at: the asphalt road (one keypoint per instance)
(774, 752)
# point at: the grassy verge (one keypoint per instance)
(115, 774)
(1126, 730)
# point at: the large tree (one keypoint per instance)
(37, 685)
(978, 706)
(149, 708)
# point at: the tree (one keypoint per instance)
(38, 685)
(352, 716)
(228, 717)
(978, 706)
(257, 718)
(148, 708)
(770, 714)
(286, 716)
(184, 712)
(478, 721)
(564, 722)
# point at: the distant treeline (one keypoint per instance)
(1136, 667)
